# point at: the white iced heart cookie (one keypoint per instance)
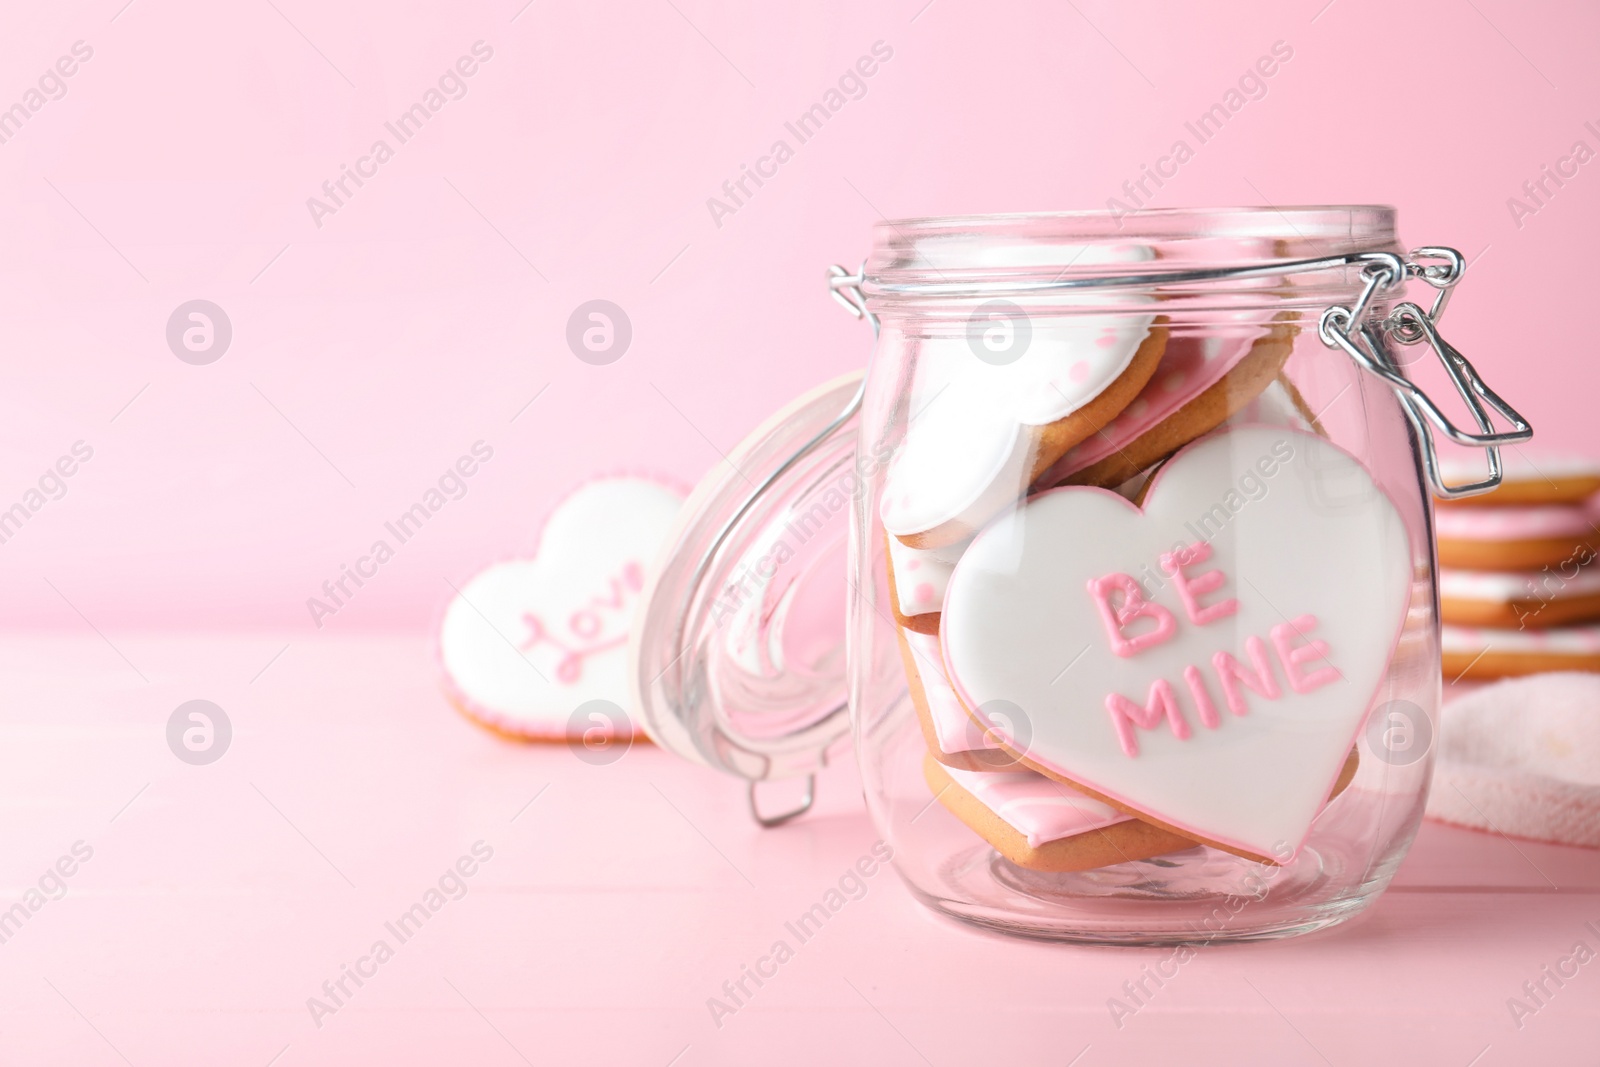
(973, 422)
(1206, 662)
(528, 641)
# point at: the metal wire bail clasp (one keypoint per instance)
(846, 289)
(1366, 343)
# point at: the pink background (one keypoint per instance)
(407, 326)
(372, 351)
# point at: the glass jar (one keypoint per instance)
(1131, 525)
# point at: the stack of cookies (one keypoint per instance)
(1518, 589)
(1103, 408)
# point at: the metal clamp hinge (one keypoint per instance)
(1366, 342)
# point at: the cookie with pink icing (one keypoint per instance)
(953, 737)
(918, 578)
(1032, 820)
(1478, 653)
(1552, 596)
(1043, 825)
(1204, 661)
(1529, 477)
(981, 426)
(1516, 537)
(526, 642)
(1205, 378)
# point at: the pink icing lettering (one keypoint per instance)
(1293, 658)
(631, 580)
(586, 623)
(1230, 673)
(1192, 588)
(1125, 715)
(1133, 606)
(1202, 699)
(569, 668)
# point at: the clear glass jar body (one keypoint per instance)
(1189, 740)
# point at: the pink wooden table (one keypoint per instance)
(218, 899)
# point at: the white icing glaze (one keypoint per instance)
(952, 726)
(1534, 523)
(1039, 808)
(1501, 587)
(959, 458)
(921, 575)
(1321, 546)
(1518, 466)
(963, 451)
(1561, 640)
(529, 640)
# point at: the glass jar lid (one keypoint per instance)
(737, 658)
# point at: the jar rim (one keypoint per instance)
(1305, 220)
(939, 266)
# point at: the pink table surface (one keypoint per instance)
(620, 898)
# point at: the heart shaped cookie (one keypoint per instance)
(526, 642)
(1206, 661)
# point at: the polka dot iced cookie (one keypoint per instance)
(918, 578)
(983, 425)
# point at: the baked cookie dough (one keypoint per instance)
(1043, 825)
